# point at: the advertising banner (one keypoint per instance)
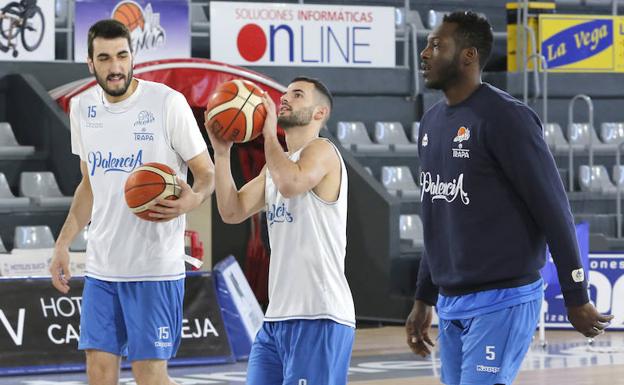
(40, 327)
(582, 43)
(271, 34)
(27, 30)
(241, 312)
(160, 29)
(606, 289)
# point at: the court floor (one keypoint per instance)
(380, 357)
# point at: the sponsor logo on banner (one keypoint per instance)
(144, 25)
(40, 327)
(302, 35)
(28, 30)
(582, 43)
(606, 288)
(159, 29)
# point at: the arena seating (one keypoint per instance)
(33, 237)
(42, 189)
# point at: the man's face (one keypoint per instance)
(112, 65)
(440, 58)
(297, 105)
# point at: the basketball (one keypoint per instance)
(147, 183)
(130, 14)
(235, 111)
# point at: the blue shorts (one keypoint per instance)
(301, 352)
(140, 320)
(487, 349)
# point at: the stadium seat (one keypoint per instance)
(553, 135)
(42, 189)
(596, 181)
(393, 134)
(434, 18)
(581, 136)
(398, 180)
(612, 133)
(80, 242)
(353, 135)
(618, 176)
(415, 132)
(3, 249)
(8, 201)
(411, 228)
(33, 237)
(8, 143)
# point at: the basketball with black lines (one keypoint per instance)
(147, 183)
(235, 111)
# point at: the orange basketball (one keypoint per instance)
(235, 111)
(130, 14)
(148, 182)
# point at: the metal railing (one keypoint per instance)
(544, 91)
(590, 144)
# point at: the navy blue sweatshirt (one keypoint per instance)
(491, 199)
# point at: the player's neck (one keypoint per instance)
(461, 90)
(116, 99)
(297, 137)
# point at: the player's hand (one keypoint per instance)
(417, 327)
(59, 269)
(270, 122)
(220, 146)
(166, 210)
(587, 320)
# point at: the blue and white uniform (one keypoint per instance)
(491, 200)
(309, 326)
(130, 260)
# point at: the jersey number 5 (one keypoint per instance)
(490, 355)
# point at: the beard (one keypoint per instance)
(301, 117)
(114, 92)
(447, 75)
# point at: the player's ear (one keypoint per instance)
(90, 65)
(321, 113)
(470, 55)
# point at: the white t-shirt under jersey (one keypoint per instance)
(154, 124)
(308, 238)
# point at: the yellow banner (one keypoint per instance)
(582, 43)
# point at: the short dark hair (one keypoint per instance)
(473, 30)
(107, 29)
(319, 86)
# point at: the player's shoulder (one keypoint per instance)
(89, 96)
(491, 96)
(167, 94)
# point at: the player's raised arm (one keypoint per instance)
(234, 205)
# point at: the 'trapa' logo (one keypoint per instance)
(463, 134)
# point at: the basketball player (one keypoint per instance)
(308, 330)
(134, 283)
(491, 200)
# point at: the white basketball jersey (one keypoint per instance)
(154, 124)
(308, 244)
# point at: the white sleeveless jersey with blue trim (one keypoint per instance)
(308, 238)
(155, 124)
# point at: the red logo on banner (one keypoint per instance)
(251, 42)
